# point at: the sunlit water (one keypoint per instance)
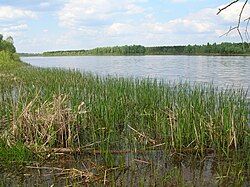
(223, 71)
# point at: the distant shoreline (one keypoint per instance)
(137, 55)
(223, 49)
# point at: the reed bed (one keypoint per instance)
(52, 108)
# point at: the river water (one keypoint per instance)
(223, 71)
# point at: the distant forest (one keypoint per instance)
(208, 49)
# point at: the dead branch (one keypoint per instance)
(221, 9)
(143, 135)
(237, 27)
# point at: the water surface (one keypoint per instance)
(223, 71)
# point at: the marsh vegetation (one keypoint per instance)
(118, 124)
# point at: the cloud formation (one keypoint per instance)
(66, 24)
(77, 12)
(113, 19)
(12, 13)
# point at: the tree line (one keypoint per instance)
(225, 48)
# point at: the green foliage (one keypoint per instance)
(8, 57)
(18, 153)
(123, 50)
(7, 45)
(9, 60)
(208, 49)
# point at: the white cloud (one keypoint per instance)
(92, 23)
(17, 27)
(13, 30)
(204, 21)
(12, 13)
(77, 12)
(102, 23)
(13, 20)
(111, 18)
(119, 29)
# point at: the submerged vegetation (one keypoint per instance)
(44, 112)
(208, 49)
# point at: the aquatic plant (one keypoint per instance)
(121, 113)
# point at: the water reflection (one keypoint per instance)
(153, 168)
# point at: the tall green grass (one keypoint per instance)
(17, 154)
(9, 61)
(120, 114)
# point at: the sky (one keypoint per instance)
(38, 26)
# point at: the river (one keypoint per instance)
(223, 71)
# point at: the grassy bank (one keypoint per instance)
(50, 109)
(9, 61)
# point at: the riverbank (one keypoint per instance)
(51, 111)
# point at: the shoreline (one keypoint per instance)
(216, 55)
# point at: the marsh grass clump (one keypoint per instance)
(43, 124)
(16, 154)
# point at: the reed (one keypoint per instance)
(44, 106)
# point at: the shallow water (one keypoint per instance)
(223, 71)
(154, 168)
(147, 168)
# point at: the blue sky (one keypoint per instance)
(38, 26)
